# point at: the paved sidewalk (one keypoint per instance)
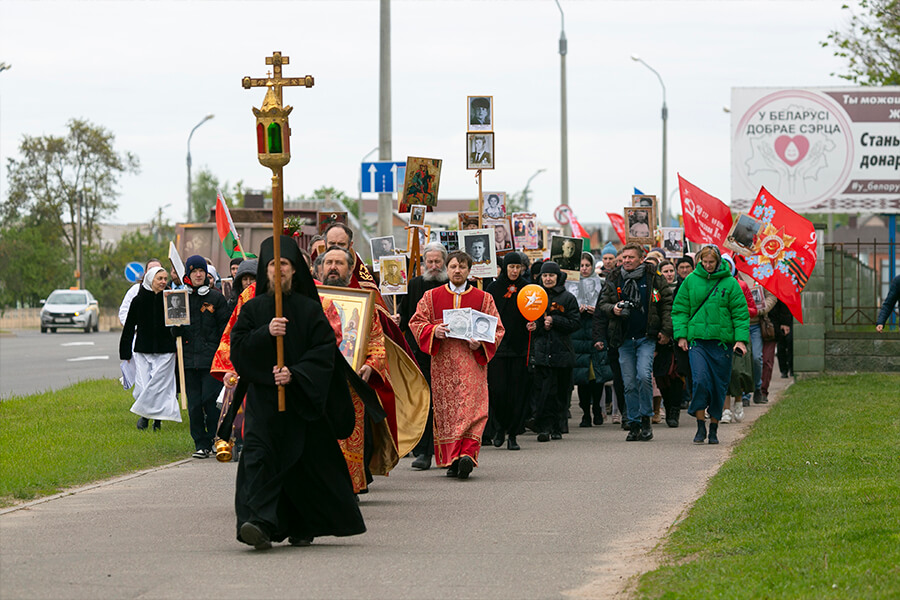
(571, 518)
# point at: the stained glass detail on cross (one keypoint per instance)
(273, 149)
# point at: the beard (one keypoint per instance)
(439, 275)
(336, 280)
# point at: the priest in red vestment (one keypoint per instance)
(458, 367)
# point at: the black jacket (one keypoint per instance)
(610, 329)
(147, 314)
(553, 347)
(506, 294)
(200, 339)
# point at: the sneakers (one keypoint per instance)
(738, 413)
(726, 416)
(617, 418)
(701, 432)
(202, 453)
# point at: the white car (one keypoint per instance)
(72, 309)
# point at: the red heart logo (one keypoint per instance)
(791, 149)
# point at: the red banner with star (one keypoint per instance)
(618, 223)
(784, 251)
(706, 218)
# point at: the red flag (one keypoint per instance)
(784, 251)
(618, 223)
(706, 218)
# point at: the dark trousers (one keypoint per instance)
(507, 394)
(202, 391)
(554, 391)
(425, 447)
(672, 392)
(618, 382)
(786, 353)
(590, 395)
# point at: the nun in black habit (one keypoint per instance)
(292, 480)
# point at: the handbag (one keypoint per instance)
(767, 328)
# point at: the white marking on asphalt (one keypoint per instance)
(78, 344)
(80, 358)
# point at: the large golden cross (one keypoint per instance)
(277, 81)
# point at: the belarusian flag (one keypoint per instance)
(228, 235)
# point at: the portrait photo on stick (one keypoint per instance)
(480, 113)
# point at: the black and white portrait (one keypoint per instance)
(639, 225)
(459, 322)
(673, 241)
(484, 327)
(566, 252)
(481, 113)
(176, 308)
(494, 205)
(381, 246)
(480, 151)
(479, 244)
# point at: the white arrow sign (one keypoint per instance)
(372, 171)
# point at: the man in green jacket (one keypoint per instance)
(710, 319)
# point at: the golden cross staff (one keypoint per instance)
(273, 147)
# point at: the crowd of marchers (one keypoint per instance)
(639, 337)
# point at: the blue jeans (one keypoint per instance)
(710, 373)
(636, 362)
(756, 351)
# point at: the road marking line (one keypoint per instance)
(80, 358)
(78, 344)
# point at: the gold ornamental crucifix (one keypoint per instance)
(273, 149)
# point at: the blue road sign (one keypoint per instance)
(381, 176)
(134, 272)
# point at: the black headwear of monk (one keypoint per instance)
(512, 258)
(301, 283)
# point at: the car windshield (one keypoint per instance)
(67, 298)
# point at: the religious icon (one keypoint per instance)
(176, 302)
(325, 219)
(525, 234)
(638, 225)
(417, 214)
(566, 252)
(381, 246)
(742, 234)
(494, 205)
(467, 220)
(355, 307)
(479, 151)
(480, 113)
(672, 241)
(420, 186)
(394, 276)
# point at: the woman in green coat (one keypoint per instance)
(710, 320)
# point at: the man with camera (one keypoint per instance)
(633, 312)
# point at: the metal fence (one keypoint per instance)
(857, 277)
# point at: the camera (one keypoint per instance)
(625, 306)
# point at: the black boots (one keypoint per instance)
(646, 430)
(142, 423)
(713, 433)
(634, 432)
(701, 432)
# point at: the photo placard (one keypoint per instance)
(566, 252)
(742, 234)
(672, 241)
(479, 244)
(479, 151)
(177, 313)
(394, 276)
(638, 225)
(480, 113)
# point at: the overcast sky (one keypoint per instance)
(150, 71)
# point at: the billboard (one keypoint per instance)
(818, 150)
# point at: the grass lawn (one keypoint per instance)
(807, 507)
(77, 435)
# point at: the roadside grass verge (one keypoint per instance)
(808, 506)
(76, 435)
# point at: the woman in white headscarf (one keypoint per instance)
(153, 355)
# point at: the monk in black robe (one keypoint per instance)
(292, 481)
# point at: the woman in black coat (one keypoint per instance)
(552, 355)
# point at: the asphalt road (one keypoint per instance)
(572, 518)
(32, 362)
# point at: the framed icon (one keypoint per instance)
(355, 307)
(420, 185)
(325, 219)
(479, 151)
(480, 113)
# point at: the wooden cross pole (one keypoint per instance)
(273, 149)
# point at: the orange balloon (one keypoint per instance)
(532, 301)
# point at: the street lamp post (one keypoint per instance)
(564, 137)
(190, 199)
(528, 186)
(665, 116)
